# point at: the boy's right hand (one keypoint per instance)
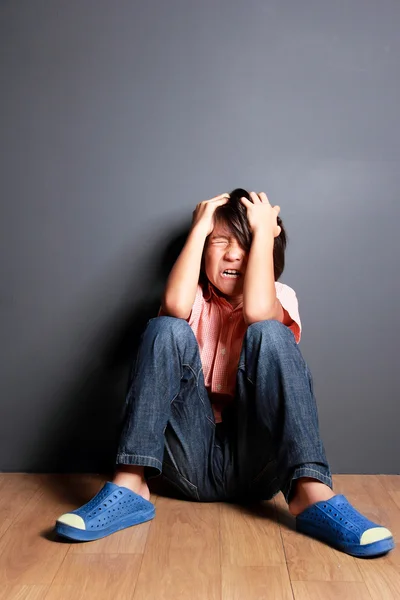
(203, 214)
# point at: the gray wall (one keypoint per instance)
(116, 119)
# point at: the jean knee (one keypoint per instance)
(170, 326)
(272, 329)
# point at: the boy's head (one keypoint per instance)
(228, 245)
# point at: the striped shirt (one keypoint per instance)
(219, 329)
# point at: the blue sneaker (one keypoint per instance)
(339, 524)
(113, 508)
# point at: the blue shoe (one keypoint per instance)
(339, 524)
(113, 508)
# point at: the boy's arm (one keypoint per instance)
(181, 286)
(259, 292)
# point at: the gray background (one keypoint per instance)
(116, 119)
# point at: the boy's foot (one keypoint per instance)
(113, 508)
(134, 483)
(339, 524)
(301, 500)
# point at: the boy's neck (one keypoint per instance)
(233, 300)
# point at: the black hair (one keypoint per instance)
(233, 214)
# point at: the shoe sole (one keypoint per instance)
(359, 550)
(83, 535)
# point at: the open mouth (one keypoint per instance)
(231, 274)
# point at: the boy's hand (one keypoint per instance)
(203, 214)
(261, 215)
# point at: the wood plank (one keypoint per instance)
(182, 557)
(30, 552)
(391, 483)
(395, 496)
(96, 576)
(250, 535)
(256, 583)
(330, 590)
(381, 578)
(16, 489)
(23, 592)
(311, 560)
(26, 555)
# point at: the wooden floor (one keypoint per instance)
(210, 551)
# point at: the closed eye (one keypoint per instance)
(220, 241)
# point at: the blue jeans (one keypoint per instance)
(269, 435)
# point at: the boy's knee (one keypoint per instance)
(272, 330)
(169, 326)
(271, 333)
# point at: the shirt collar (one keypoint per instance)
(209, 292)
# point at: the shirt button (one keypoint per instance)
(219, 387)
(223, 351)
(230, 318)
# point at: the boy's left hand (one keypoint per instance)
(261, 215)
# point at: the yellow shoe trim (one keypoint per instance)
(375, 535)
(72, 520)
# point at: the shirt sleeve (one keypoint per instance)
(288, 298)
(195, 313)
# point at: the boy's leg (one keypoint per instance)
(274, 415)
(275, 409)
(169, 425)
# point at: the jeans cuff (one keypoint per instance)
(139, 460)
(315, 471)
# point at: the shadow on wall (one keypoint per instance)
(84, 438)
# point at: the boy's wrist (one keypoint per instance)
(264, 235)
(199, 232)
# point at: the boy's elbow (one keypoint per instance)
(263, 313)
(249, 319)
(174, 310)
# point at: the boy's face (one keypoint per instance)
(223, 254)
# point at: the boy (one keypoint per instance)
(221, 403)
